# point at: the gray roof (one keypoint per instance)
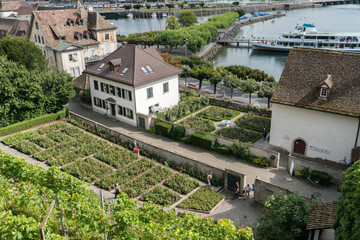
(306, 68)
(138, 66)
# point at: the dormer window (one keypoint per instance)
(78, 36)
(70, 22)
(80, 21)
(325, 87)
(323, 92)
(115, 64)
(87, 35)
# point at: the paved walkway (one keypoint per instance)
(277, 177)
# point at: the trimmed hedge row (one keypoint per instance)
(20, 126)
(202, 140)
(163, 128)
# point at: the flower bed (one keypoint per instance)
(181, 183)
(72, 131)
(59, 136)
(116, 156)
(241, 134)
(198, 123)
(254, 122)
(27, 147)
(203, 199)
(88, 169)
(218, 113)
(160, 195)
(44, 142)
(125, 175)
(51, 128)
(13, 139)
(145, 181)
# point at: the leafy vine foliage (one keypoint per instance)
(28, 190)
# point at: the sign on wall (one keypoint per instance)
(319, 149)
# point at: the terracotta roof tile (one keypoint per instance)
(16, 27)
(306, 68)
(321, 216)
(134, 58)
(55, 24)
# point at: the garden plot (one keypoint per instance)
(116, 156)
(254, 122)
(241, 134)
(198, 123)
(204, 199)
(160, 195)
(181, 183)
(88, 169)
(218, 113)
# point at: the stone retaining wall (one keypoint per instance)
(336, 171)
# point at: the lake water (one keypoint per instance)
(336, 18)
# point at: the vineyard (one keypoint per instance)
(28, 190)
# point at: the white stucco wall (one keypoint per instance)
(164, 100)
(332, 132)
(80, 62)
(119, 101)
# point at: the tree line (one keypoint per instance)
(28, 88)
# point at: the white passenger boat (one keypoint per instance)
(130, 15)
(153, 15)
(306, 35)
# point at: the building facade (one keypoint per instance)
(316, 106)
(72, 39)
(132, 83)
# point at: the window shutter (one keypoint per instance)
(123, 93)
(118, 91)
(131, 114)
(121, 110)
(102, 87)
(130, 98)
(94, 100)
(103, 103)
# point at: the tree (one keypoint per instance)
(195, 43)
(24, 52)
(159, 6)
(347, 218)
(200, 72)
(185, 73)
(241, 12)
(284, 217)
(187, 18)
(232, 82)
(128, 6)
(267, 90)
(235, 3)
(137, 6)
(181, 5)
(202, 4)
(172, 23)
(215, 77)
(249, 86)
(148, 6)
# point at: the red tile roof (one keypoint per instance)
(16, 27)
(306, 69)
(56, 23)
(134, 58)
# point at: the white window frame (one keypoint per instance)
(149, 90)
(323, 92)
(108, 36)
(77, 71)
(167, 87)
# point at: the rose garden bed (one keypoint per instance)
(198, 123)
(160, 195)
(181, 183)
(241, 134)
(254, 122)
(88, 169)
(204, 199)
(116, 156)
(218, 113)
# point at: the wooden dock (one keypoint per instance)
(241, 42)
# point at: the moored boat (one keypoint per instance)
(306, 35)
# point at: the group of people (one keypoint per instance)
(247, 189)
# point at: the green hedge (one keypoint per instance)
(20, 126)
(323, 177)
(177, 132)
(163, 128)
(202, 140)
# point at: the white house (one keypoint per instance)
(316, 106)
(72, 39)
(132, 83)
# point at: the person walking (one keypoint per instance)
(264, 133)
(237, 190)
(134, 144)
(247, 191)
(117, 190)
(209, 177)
(136, 148)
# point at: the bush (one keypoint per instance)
(177, 132)
(240, 150)
(323, 177)
(201, 140)
(17, 127)
(163, 128)
(222, 149)
(260, 161)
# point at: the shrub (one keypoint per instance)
(323, 177)
(240, 150)
(177, 132)
(192, 93)
(163, 128)
(222, 149)
(202, 140)
(198, 123)
(240, 134)
(17, 127)
(260, 161)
